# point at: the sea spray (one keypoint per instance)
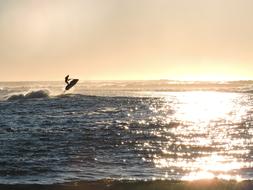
(30, 95)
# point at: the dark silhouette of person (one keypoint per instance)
(67, 79)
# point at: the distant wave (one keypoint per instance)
(2, 89)
(12, 95)
(30, 95)
(248, 91)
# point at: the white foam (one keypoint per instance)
(30, 95)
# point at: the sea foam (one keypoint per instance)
(30, 95)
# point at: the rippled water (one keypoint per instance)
(131, 135)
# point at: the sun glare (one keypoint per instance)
(204, 106)
(215, 166)
(199, 136)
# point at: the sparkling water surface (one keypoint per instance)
(47, 136)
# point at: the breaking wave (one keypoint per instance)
(30, 95)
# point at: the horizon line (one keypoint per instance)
(129, 80)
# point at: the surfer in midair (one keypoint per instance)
(67, 79)
(71, 83)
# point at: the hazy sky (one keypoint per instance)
(126, 39)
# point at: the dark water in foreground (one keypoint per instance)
(136, 185)
(48, 137)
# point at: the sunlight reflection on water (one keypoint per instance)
(169, 135)
(209, 141)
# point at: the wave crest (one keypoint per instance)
(30, 95)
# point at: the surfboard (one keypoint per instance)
(71, 84)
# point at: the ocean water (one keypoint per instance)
(133, 130)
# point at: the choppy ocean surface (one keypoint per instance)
(131, 130)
